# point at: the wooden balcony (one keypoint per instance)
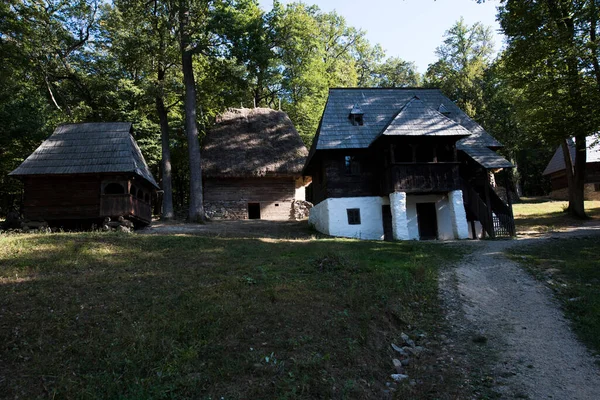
(421, 177)
(113, 205)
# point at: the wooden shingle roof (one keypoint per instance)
(87, 148)
(381, 106)
(253, 142)
(557, 162)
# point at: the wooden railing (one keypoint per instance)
(496, 220)
(421, 177)
(112, 205)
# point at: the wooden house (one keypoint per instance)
(403, 164)
(556, 170)
(252, 166)
(86, 172)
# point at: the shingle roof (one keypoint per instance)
(253, 142)
(85, 149)
(380, 106)
(557, 162)
(417, 119)
(487, 158)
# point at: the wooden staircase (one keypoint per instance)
(489, 209)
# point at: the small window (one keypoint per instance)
(357, 119)
(351, 165)
(276, 204)
(253, 210)
(353, 216)
(114, 188)
(596, 187)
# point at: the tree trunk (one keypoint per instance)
(196, 206)
(167, 186)
(575, 178)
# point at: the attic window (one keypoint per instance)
(356, 115)
(351, 165)
(442, 109)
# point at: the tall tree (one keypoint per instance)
(551, 57)
(463, 59)
(395, 72)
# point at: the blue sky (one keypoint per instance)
(409, 29)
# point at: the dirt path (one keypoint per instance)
(530, 350)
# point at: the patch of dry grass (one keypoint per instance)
(105, 316)
(544, 215)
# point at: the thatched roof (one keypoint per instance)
(253, 142)
(89, 148)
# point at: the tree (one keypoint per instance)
(463, 59)
(552, 57)
(395, 72)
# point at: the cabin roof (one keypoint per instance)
(557, 162)
(415, 118)
(87, 148)
(489, 159)
(382, 105)
(253, 142)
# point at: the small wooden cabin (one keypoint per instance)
(556, 170)
(86, 172)
(252, 166)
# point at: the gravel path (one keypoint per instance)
(531, 350)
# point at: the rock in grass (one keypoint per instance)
(399, 377)
(398, 366)
(407, 339)
(399, 349)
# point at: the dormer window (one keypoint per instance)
(442, 109)
(356, 115)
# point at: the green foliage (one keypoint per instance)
(463, 58)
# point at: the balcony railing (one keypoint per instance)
(112, 205)
(421, 177)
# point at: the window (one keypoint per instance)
(403, 153)
(353, 216)
(253, 210)
(445, 153)
(351, 165)
(357, 119)
(114, 188)
(596, 187)
(424, 153)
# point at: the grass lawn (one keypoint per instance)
(571, 267)
(116, 316)
(543, 215)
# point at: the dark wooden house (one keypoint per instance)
(252, 166)
(85, 172)
(403, 164)
(556, 170)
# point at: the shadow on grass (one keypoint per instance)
(134, 316)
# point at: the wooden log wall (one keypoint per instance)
(228, 198)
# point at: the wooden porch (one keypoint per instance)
(126, 205)
(421, 177)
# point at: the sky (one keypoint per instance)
(409, 29)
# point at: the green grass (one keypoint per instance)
(572, 269)
(543, 215)
(115, 316)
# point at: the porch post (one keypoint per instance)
(458, 215)
(399, 218)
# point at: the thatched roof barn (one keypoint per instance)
(252, 165)
(87, 171)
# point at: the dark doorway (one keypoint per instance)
(427, 220)
(253, 210)
(386, 214)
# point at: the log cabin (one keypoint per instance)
(403, 163)
(556, 170)
(86, 172)
(252, 164)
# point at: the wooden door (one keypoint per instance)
(427, 220)
(386, 214)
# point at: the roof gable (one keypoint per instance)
(417, 119)
(251, 143)
(87, 148)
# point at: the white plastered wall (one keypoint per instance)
(301, 183)
(443, 215)
(330, 217)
